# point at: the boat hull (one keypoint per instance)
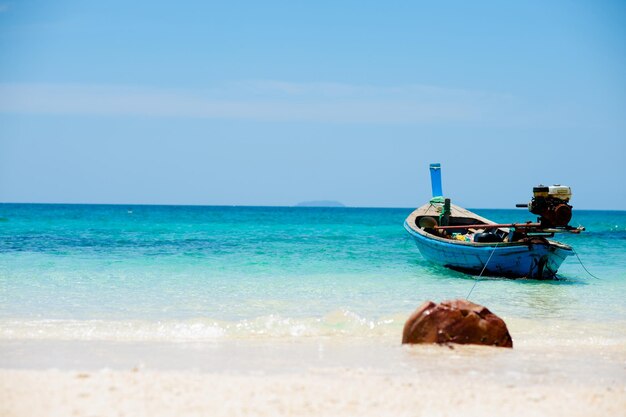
(538, 260)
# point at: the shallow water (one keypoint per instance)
(96, 272)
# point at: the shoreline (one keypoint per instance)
(553, 360)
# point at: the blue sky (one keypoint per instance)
(272, 103)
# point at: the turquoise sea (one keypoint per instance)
(117, 272)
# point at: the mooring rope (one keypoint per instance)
(481, 272)
(583, 265)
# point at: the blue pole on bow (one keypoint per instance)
(435, 179)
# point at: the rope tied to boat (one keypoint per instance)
(481, 272)
(583, 265)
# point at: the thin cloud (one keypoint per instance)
(414, 91)
(260, 100)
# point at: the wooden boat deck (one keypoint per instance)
(434, 210)
(456, 213)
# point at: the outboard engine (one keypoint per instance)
(550, 203)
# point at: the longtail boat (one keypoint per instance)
(459, 239)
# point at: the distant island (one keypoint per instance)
(320, 203)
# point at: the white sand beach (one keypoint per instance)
(333, 393)
(541, 376)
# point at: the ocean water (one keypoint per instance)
(181, 273)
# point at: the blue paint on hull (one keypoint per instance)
(513, 260)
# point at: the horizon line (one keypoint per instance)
(259, 206)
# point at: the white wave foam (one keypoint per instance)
(338, 323)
